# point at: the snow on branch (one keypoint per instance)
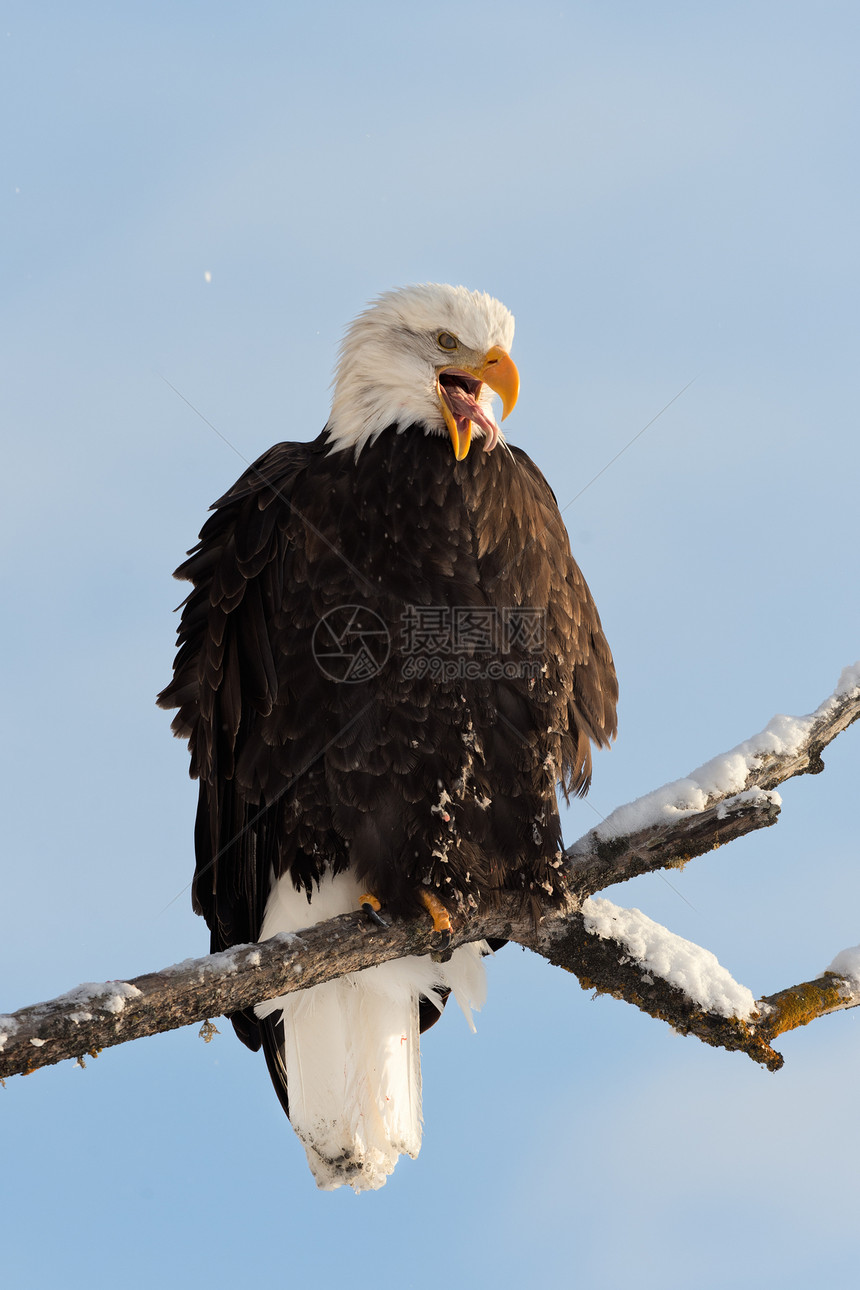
(623, 953)
(611, 950)
(93, 1017)
(727, 797)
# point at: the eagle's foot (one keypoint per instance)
(441, 917)
(371, 907)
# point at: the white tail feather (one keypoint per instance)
(351, 1046)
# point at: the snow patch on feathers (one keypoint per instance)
(351, 1046)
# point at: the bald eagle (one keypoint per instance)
(387, 665)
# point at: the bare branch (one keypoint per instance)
(800, 1004)
(723, 800)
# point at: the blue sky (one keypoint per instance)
(659, 193)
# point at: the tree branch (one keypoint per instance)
(93, 1017)
(693, 993)
(727, 797)
(614, 951)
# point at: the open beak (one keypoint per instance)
(459, 389)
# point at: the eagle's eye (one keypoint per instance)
(446, 341)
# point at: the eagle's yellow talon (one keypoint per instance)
(371, 907)
(438, 912)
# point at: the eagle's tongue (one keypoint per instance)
(465, 408)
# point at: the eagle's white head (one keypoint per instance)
(429, 356)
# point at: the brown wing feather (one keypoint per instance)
(226, 679)
(526, 559)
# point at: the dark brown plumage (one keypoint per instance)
(434, 771)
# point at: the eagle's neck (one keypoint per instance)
(377, 387)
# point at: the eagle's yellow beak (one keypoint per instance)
(458, 389)
(499, 371)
